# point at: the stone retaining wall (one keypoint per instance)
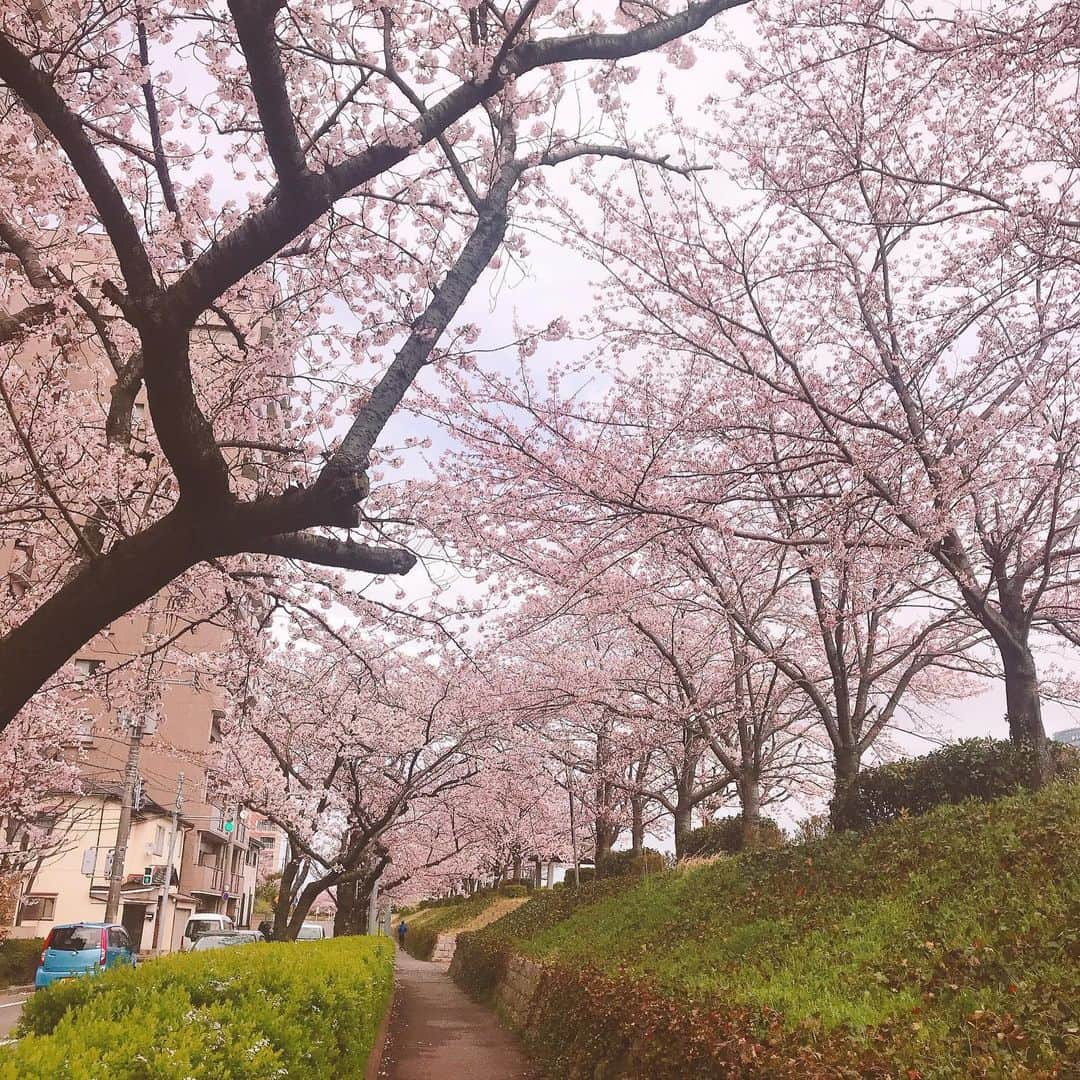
(518, 989)
(445, 945)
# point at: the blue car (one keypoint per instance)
(82, 948)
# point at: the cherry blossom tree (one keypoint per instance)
(668, 497)
(895, 286)
(363, 158)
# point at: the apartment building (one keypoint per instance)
(216, 860)
(273, 844)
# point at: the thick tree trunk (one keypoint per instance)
(637, 825)
(606, 835)
(749, 787)
(307, 897)
(351, 917)
(846, 765)
(683, 824)
(283, 904)
(1023, 707)
(349, 903)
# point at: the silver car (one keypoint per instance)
(220, 941)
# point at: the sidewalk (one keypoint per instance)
(438, 1033)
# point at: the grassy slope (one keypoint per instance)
(425, 926)
(928, 922)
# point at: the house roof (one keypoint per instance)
(150, 808)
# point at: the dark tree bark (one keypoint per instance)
(208, 521)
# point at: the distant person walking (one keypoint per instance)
(402, 930)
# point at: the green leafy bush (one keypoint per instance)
(516, 889)
(725, 837)
(19, 960)
(972, 769)
(627, 864)
(306, 1011)
(941, 947)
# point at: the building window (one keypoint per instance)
(216, 717)
(85, 668)
(159, 840)
(36, 909)
(81, 733)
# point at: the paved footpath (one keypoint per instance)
(438, 1033)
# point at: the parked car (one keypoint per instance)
(82, 948)
(202, 923)
(311, 931)
(220, 941)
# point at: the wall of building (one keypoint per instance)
(62, 878)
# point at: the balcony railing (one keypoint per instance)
(203, 877)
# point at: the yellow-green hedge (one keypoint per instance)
(301, 1011)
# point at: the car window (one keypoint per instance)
(75, 938)
(197, 928)
(122, 940)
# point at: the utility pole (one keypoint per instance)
(164, 938)
(573, 829)
(227, 874)
(123, 829)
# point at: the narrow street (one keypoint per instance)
(438, 1033)
(10, 1011)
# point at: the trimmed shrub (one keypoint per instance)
(515, 889)
(627, 864)
(971, 769)
(19, 960)
(307, 1011)
(725, 837)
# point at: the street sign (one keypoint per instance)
(225, 895)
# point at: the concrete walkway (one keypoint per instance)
(438, 1033)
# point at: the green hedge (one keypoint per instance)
(306, 1011)
(971, 769)
(725, 837)
(19, 960)
(627, 864)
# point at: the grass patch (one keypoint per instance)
(950, 943)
